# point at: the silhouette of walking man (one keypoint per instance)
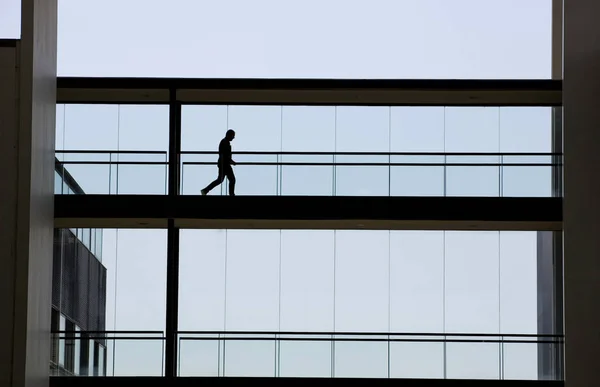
(225, 162)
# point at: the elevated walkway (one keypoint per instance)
(308, 212)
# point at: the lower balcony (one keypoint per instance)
(405, 359)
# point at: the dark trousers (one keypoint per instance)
(224, 171)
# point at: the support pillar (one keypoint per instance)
(581, 98)
(27, 124)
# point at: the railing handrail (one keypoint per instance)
(448, 154)
(298, 333)
(116, 332)
(342, 164)
(317, 153)
(91, 151)
(380, 340)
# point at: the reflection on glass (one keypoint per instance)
(61, 346)
(77, 351)
(249, 358)
(305, 359)
(367, 359)
(101, 369)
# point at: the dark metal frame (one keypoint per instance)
(283, 92)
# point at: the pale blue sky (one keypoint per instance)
(399, 281)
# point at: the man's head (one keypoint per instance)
(230, 134)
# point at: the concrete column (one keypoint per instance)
(27, 121)
(582, 191)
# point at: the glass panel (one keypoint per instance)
(252, 282)
(361, 281)
(91, 359)
(202, 259)
(255, 179)
(136, 273)
(62, 343)
(417, 282)
(416, 360)
(417, 129)
(358, 180)
(361, 359)
(526, 181)
(101, 367)
(307, 283)
(138, 358)
(520, 361)
(473, 360)
(199, 358)
(58, 183)
(77, 352)
(519, 282)
(202, 127)
(99, 244)
(249, 358)
(305, 359)
(144, 127)
(258, 128)
(417, 181)
(141, 179)
(313, 180)
(472, 129)
(472, 282)
(91, 127)
(85, 237)
(308, 128)
(92, 178)
(363, 129)
(472, 181)
(525, 129)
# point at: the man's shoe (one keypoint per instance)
(203, 192)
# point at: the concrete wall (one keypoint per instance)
(26, 193)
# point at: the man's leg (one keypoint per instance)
(215, 183)
(231, 179)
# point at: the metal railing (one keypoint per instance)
(319, 354)
(361, 354)
(113, 353)
(320, 173)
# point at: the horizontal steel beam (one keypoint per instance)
(306, 212)
(311, 91)
(149, 381)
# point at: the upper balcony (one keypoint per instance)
(416, 144)
(318, 173)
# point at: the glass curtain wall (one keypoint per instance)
(327, 282)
